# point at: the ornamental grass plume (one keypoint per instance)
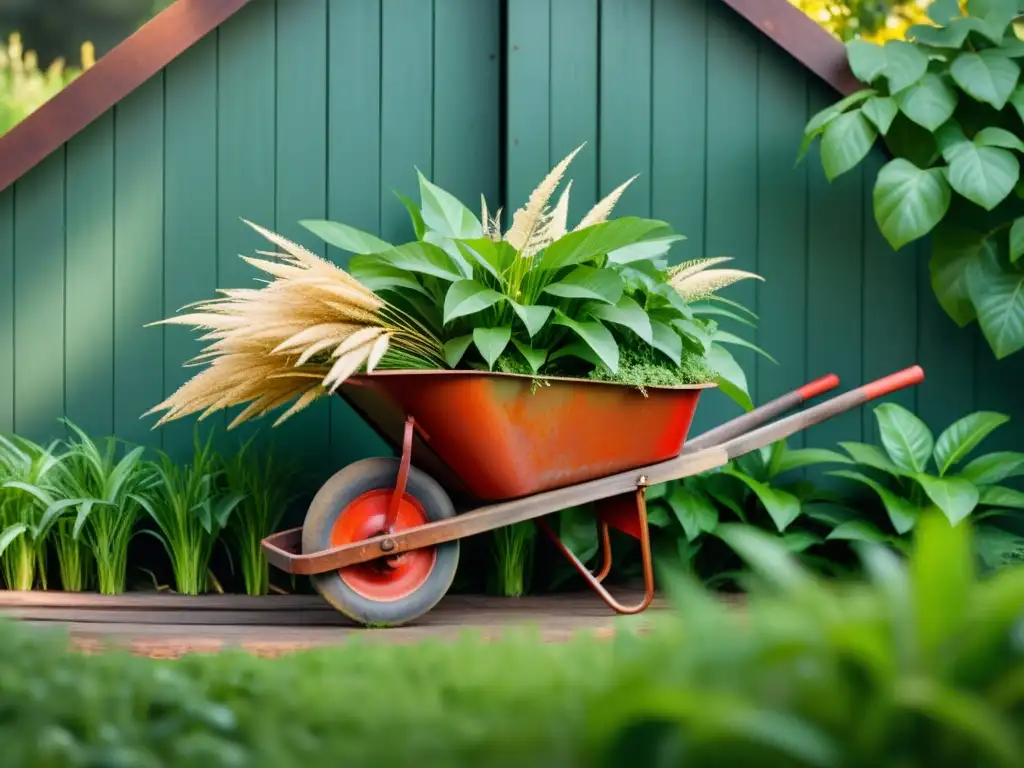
(296, 339)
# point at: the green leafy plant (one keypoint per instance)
(512, 548)
(913, 472)
(263, 486)
(106, 519)
(949, 106)
(189, 513)
(31, 502)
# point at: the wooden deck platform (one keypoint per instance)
(168, 626)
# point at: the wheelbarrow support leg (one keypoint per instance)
(594, 580)
(403, 474)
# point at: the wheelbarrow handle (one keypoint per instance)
(780, 430)
(761, 415)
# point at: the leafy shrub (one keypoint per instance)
(919, 667)
(537, 299)
(24, 87)
(949, 106)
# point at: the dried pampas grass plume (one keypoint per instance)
(296, 339)
(693, 280)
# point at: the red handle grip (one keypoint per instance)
(818, 386)
(905, 378)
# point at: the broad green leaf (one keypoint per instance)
(1017, 100)
(944, 11)
(805, 457)
(798, 542)
(963, 436)
(648, 249)
(782, 507)
(578, 532)
(379, 276)
(666, 341)
(906, 438)
(450, 247)
(984, 175)
(414, 214)
(857, 530)
(585, 244)
(929, 103)
(577, 349)
(695, 513)
(991, 17)
(903, 514)
(951, 36)
(955, 496)
(998, 295)
(998, 496)
(731, 378)
(995, 545)
(994, 467)
(881, 110)
(905, 64)
(588, 283)
(998, 137)
(535, 357)
(724, 337)
(1017, 239)
(423, 258)
(867, 60)
(942, 575)
(986, 76)
(909, 202)
(766, 555)
(871, 456)
(443, 213)
(483, 253)
(10, 534)
(492, 342)
(533, 315)
(950, 137)
(953, 255)
(345, 237)
(846, 142)
(700, 309)
(626, 313)
(819, 121)
(596, 336)
(466, 297)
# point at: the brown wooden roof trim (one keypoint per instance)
(802, 38)
(114, 76)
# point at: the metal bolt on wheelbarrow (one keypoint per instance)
(381, 537)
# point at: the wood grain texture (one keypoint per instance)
(114, 76)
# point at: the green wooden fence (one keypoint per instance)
(323, 108)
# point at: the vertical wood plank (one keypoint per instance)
(139, 261)
(302, 179)
(528, 90)
(889, 308)
(353, 170)
(89, 318)
(407, 108)
(246, 165)
(835, 283)
(190, 217)
(731, 198)
(39, 300)
(574, 97)
(679, 106)
(467, 99)
(997, 387)
(625, 110)
(7, 293)
(781, 227)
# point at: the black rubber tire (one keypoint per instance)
(335, 495)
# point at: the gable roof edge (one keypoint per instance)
(115, 75)
(801, 37)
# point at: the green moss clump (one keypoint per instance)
(643, 367)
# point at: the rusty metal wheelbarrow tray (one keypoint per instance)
(562, 448)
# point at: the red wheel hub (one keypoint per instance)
(384, 579)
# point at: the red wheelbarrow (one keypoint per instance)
(381, 537)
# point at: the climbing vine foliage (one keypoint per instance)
(948, 103)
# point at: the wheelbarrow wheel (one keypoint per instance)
(352, 506)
